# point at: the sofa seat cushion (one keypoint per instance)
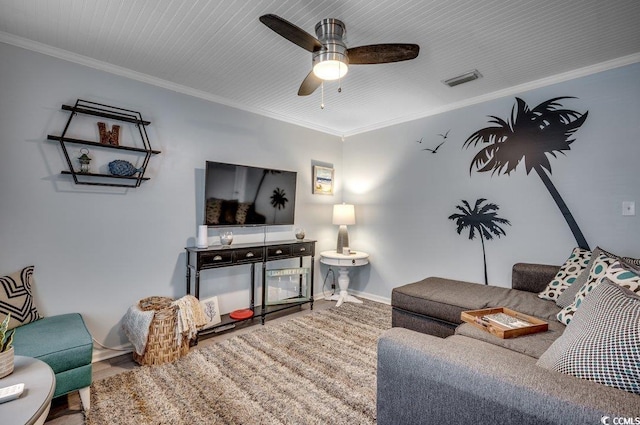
(63, 341)
(446, 299)
(533, 345)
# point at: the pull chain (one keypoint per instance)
(340, 78)
(322, 91)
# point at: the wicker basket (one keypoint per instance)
(161, 345)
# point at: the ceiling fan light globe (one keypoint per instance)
(330, 70)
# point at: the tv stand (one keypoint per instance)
(217, 256)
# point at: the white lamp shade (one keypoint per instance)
(344, 214)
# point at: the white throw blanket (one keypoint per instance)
(191, 317)
(136, 326)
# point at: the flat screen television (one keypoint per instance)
(240, 195)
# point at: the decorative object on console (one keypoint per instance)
(322, 180)
(226, 237)
(211, 310)
(120, 167)
(241, 314)
(343, 215)
(202, 241)
(84, 161)
(109, 137)
(300, 233)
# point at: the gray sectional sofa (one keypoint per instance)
(432, 369)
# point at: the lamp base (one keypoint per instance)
(343, 238)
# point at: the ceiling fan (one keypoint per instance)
(331, 57)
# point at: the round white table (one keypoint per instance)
(32, 407)
(344, 262)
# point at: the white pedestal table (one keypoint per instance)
(344, 262)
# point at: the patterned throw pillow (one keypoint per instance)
(569, 295)
(624, 275)
(568, 273)
(16, 297)
(601, 343)
(596, 274)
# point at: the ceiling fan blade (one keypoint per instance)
(309, 85)
(291, 32)
(382, 53)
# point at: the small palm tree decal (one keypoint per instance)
(530, 134)
(481, 219)
(278, 201)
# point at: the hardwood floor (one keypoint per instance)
(67, 410)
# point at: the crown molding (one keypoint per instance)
(148, 79)
(158, 82)
(543, 82)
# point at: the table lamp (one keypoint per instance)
(343, 215)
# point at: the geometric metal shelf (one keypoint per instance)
(111, 112)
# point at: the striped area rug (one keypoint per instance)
(314, 369)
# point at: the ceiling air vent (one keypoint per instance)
(464, 78)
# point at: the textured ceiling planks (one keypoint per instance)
(219, 50)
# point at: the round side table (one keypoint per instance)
(32, 407)
(344, 262)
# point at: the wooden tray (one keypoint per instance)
(475, 317)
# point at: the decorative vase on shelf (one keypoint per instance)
(226, 238)
(300, 233)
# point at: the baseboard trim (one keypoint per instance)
(100, 354)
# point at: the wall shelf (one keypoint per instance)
(114, 113)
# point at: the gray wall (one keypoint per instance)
(403, 195)
(98, 250)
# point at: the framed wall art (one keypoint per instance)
(322, 180)
(211, 310)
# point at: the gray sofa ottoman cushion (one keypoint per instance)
(533, 345)
(422, 379)
(446, 299)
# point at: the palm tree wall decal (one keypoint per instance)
(530, 134)
(278, 201)
(481, 219)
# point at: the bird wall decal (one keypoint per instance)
(433, 150)
(444, 139)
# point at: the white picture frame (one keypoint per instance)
(211, 311)
(322, 180)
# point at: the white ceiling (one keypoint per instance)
(218, 50)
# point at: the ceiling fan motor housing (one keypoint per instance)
(331, 32)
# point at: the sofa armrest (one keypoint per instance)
(532, 277)
(423, 379)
